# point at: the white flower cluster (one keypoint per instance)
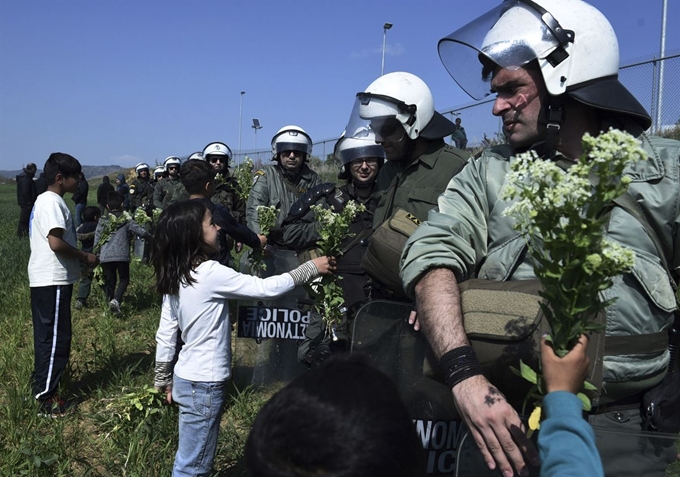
(266, 216)
(326, 217)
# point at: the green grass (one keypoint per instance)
(119, 427)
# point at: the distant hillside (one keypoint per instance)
(90, 172)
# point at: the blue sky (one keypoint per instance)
(118, 82)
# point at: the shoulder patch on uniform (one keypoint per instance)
(413, 219)
(256, 175)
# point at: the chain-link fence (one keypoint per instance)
(641, 77)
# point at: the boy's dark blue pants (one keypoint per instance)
(51, 308)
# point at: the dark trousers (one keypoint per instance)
(24, 217)
(51, 309)
(624, 450)
(116, 272)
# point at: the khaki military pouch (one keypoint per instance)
(309, 254)
(381, 260)
(504, 323)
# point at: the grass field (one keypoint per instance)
(119, 427)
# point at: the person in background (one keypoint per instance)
(219, 156)
(343, 418)
(158, 174)
(141, 189)
(198, 178)
(85, 233)
(458, 136)
(80, 199)
(171, 189)
(195, 309)
(40, 184)
(26, 195)
(566, 442)
(52, 270)
(112, 244)
(123, 189)
(103, 192)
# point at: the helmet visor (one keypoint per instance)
(509, 36)
(375, 116)
(361, 145)
(292, 146)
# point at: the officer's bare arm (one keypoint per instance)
(439, 313)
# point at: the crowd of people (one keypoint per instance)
(432, 219)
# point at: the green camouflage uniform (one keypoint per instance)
(419, 183)
(270, 187)
(167, 191)
(141, 194)
(225, 194)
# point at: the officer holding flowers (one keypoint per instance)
(282, 183)
(361, 159)
(554, 69)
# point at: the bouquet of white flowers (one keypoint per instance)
(562, 217)
(333, 228)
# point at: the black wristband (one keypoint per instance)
(458, 365)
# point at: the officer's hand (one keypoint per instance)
(568, 373)
(495, 426)
(263, 240)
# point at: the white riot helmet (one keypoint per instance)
(573, 44)
(358, 146)
(196, 155)
(159, 171)
(172, 161)
(217, 149)
(404, 97)
(351, 148)
(291, 138)
(141, 166)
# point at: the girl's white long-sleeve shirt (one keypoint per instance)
(200, 312)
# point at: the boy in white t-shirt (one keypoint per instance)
(53, 268)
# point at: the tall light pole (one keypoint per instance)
(240, 122)
(386, 27)
(256, 125)
(662, 54)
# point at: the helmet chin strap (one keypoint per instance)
(554, 116)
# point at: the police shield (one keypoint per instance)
(268, 331)
(382, 332)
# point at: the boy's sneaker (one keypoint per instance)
(53, 408)
(114, 306)
(80, 304)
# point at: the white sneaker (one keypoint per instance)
(114, 306)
